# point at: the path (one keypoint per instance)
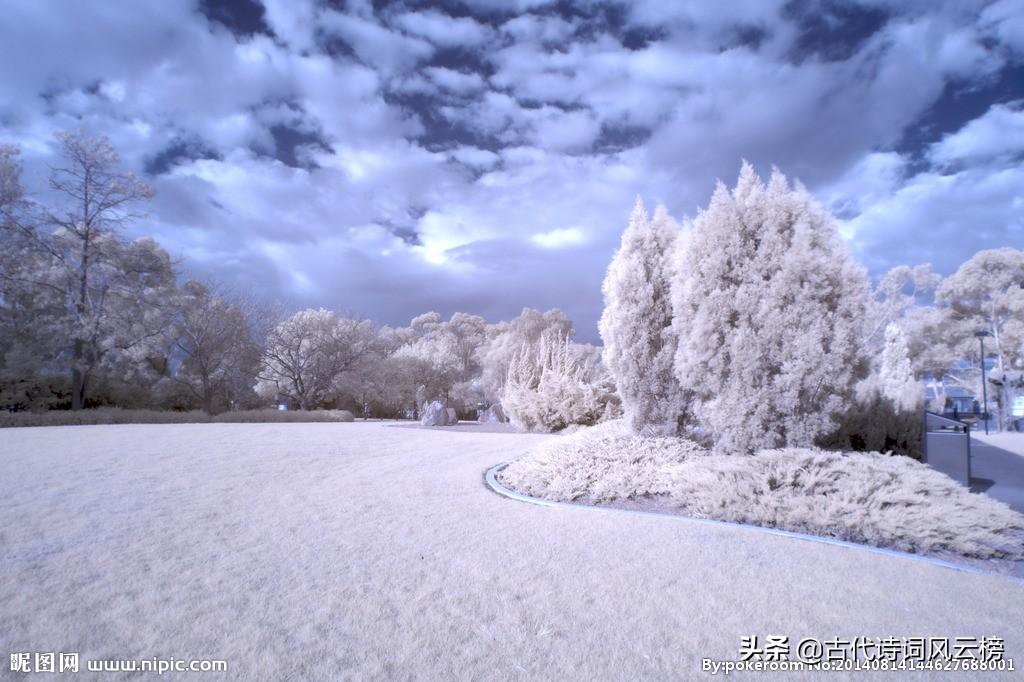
(997, 467)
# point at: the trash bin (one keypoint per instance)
(947, 447)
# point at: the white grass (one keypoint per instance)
(364, 551)
(887, 501)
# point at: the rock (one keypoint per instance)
(453, 418)
(434, 414)
(493, 415)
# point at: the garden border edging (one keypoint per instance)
(491, 479)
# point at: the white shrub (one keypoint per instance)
(551, 386)
(636, 326)
(888, 501)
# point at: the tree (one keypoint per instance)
(895, 296)
(113, 292)
(769, 311)
(895, 376)
(553, 386)
(636, 325)
(219, 359)
(11, 193)
(306, 353)
(987, 294)
(28, 343)
(506, 339)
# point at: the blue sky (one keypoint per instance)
(483, 155)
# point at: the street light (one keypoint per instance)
(981, 334)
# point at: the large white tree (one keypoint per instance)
(769, 311)
(636, 325)
(987, 294)
(896, 296)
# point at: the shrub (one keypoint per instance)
(869, 498)
(115, 415)
(550, 388)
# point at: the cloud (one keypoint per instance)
(443, 30)
(455, 81)
(560, 238)
(390, 52)
(941, 219)
(998, 135)
(1005, 21)
(397, 160)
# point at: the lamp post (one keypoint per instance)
(981, 334)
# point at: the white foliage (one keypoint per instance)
(552, 387)
(896, 378)
(888, 501)
(636, 325)
(506, 339)
(769, 311)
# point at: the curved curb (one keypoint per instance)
(491, 478)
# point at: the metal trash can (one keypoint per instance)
(947, 447)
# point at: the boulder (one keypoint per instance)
(453, 418)
(493, 415)
(434, 414)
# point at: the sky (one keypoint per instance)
(391, 158)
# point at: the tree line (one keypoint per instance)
(90, 318)
(750, 326)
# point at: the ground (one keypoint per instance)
(997, 466)
(360, 551)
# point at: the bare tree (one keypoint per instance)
(306, 353)
(219, 357)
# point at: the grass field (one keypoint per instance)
(369, 551)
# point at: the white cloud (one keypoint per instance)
(557, 130)
(869, 181)
(533, 28)
(444, 30)
(455, 81)
(1005, 20)
(294, 21)
(505, 6)
(389, 51)
(475, 157)
(998, 134)
(941, 219)
(491, 211)
(560, 238)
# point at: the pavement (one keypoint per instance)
(997, 467)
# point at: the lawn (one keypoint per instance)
(365, 550)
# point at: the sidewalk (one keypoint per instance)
(997, 466)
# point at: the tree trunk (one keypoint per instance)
(77, 377)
